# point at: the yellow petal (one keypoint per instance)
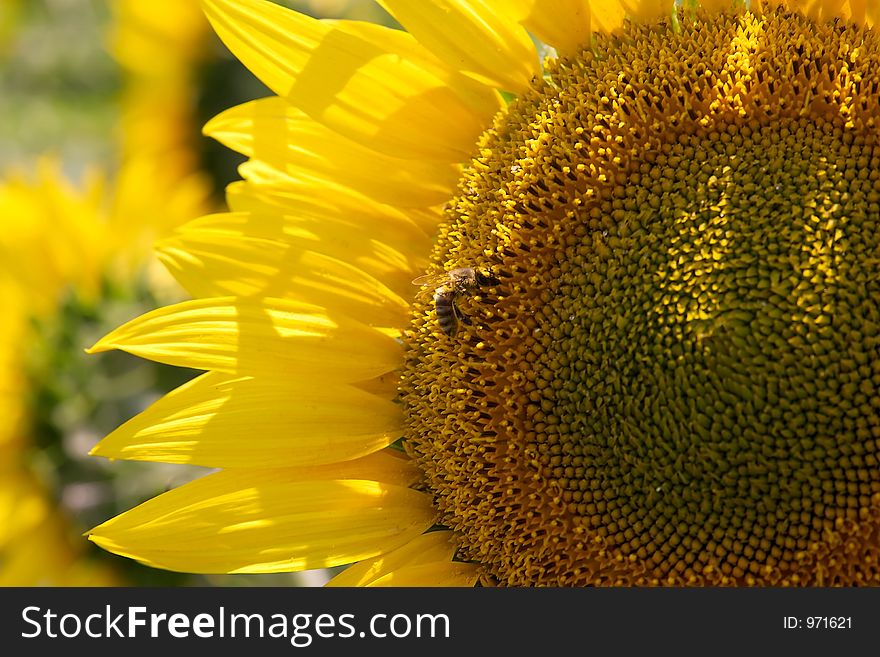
(651, 10)
(441, 573)
(215, 262)
(40, 556)
(607, 16)
(471, 36)
(329, 201)
(390, 466)
(262, 521)
(568, 24)
(286, 138)
(713, 6)
(23, 505)
(373, 84)
(858, 12)
(290, 423)
(564, 24)
(872, 12)
(272, 336)
(428, 548)
(383, 241)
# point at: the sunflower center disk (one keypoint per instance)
(677, 380)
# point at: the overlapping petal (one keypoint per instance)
(381, 240)
(607, 17)
(343, 207)
(564, 24)
(210, 260)
(860, 12)
(273, 131)
(441, 573)
(276, 520)
(433, 547)
(295, 423)
(375, 85)
(271, 336)
(471, 36)
(568, 24)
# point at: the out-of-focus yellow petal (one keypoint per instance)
(608, 16)
(651, 10)
(54, 235)
(271, 336)
(858, 12)
(286, 138)
(210, 262)
(376, 85)
(289, 422)
(568, 24)
(166, 202)
(161, 46)
(37, 546)
(441, 573)
(262, 521)
(428, 548)
(23, 504)
(872, 12)
(471, 36)
(716, 5)
(158, 39)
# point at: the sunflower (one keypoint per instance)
(60, 245)
(72, 253)
(646, 351)
(160, 48)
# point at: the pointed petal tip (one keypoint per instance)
(211, 125)
(98, 347)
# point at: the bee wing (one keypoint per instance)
(431, 279)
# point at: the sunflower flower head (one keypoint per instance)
(646, 347)
(63, 250)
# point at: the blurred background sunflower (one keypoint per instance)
(101, 108)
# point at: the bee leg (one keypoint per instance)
(460, 316)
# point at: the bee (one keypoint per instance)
(448, 286)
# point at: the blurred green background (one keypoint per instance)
(121, 88)
(60, 86)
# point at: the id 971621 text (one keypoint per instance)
(817, 622)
